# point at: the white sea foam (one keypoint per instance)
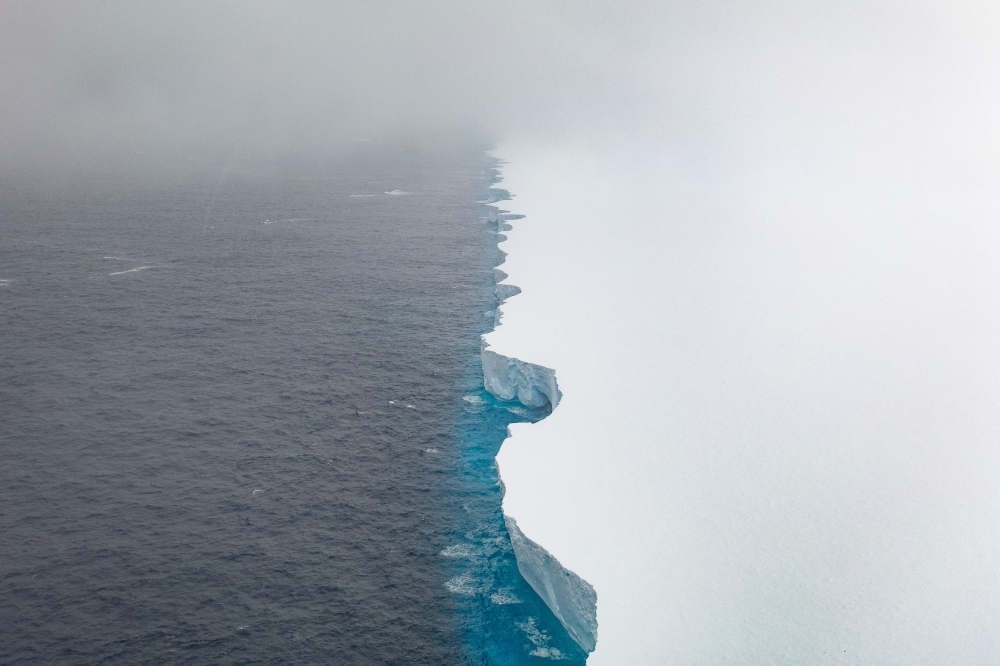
(540, 639)
(132, 270)
(504, 597)
(458, 550)
(397, 193)
(464, 585)
(398, 402)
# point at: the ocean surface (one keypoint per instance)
(242, 418)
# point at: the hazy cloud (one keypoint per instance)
(82, 79)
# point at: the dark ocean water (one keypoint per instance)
(242, 419)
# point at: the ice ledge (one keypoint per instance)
(572, 599)
(508, 378)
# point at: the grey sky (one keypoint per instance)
(79, 79)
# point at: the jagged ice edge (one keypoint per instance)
(570, 598)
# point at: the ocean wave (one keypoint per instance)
(290, 219)
(132, 270)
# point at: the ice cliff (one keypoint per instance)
(512, 379)
(570, 598)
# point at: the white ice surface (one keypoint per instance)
(769, 285)
(779, 436)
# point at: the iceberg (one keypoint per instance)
(571, 599)
(511, 379)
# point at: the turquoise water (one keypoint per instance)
(505, 621)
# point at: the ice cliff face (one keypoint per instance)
(571, 599)
(512, 379)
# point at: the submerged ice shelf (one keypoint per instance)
(571, 599)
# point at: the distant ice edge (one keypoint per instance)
(570, 598)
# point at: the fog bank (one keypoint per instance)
(82, 80)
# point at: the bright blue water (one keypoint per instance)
(242, 422)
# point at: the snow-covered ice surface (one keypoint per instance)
(777, 434)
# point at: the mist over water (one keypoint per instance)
(108, 79)
(244, 419)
